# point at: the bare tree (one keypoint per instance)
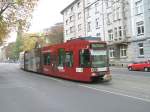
(55, 34)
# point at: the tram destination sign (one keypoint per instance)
(98, 46)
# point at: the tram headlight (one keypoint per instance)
(93, 74)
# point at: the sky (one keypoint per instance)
(45, 15)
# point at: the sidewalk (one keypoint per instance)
(116, 67)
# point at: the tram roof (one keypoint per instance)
(90, 38)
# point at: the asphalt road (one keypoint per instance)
(22, 91)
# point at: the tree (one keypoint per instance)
(28, 43)
(3, 30)
(9, 51)
(12, 12)
(17, 48)
(55, 34)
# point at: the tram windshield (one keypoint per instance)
(99, 58)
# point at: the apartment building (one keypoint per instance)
(140, 44)
(73, 17)
(122, 23)
(94, 18)
(118, 31)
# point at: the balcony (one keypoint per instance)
(119, 40)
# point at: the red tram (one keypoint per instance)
(81, 59)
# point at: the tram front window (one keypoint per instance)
(99, 58)
(85, 58)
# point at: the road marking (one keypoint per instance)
(115, 93)
(105, 91)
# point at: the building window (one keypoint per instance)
(138, 7)
(123, 51)
(79, 27)
(108, 3)
(109, 18)
(120, 31)
(140, 28)
(89, 26)
(141, 49)
(79, 15)
(78, 4)
(115, 32)
(98, 34)
(118, 13)
(71, 18)
(67, 22)
(71, 29)
(110, 35)
(88, 12)
(112, 52)
(97, 23)
(66, 13)
(71, 9)
(66, 32)
(96, 8)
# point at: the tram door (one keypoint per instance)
(65, 61)
(61, 59)
(69, 62)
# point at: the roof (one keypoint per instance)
(69, 6)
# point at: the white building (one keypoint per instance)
(94, 18)
(124, 24)
(73, 17)
(141, 29)
(118, 30)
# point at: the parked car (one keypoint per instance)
(142, 66)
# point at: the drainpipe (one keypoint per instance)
(84, 20)
(103, 19)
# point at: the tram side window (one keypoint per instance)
(85, 58)
(47, 59)
(61, 56)
(69, 59)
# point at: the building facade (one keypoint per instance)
(74, 17)
(140, 43)
(122, 23)
(94, 18)
(118, 31)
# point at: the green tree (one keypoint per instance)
(12, 11)
(17, 48)
(3, 29)
(29, 43)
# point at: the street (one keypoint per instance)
(20, 91)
